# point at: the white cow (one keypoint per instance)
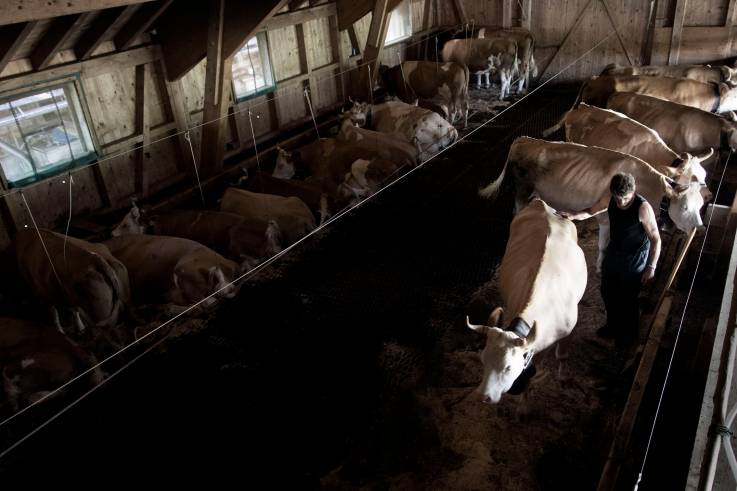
(543, 277)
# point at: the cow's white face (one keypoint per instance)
(358, 113)
(132, 224)
(685, 206)
(284, 168)
(729, 98)
(505, 355)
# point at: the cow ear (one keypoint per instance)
(496, 317)
(532, 336)
(479, 328)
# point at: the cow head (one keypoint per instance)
(685, 205)
(196, 278)
(504, 357)
(284, 168)
(355, 186)
(728, 100)
(729, 75)
(132, 224)
(358, 113)
(690, 168)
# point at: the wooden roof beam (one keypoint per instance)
(92, 38)
(183, 35)
(11, 38)
(350, 11)
(141, 21)
(56, 35)
(14, 11)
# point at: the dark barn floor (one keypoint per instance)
(312, 367)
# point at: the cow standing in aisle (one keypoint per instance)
(481, 56)
(542, 279)
(526, 66)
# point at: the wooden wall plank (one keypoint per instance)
(677, 32)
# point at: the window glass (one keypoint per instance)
(252, 73)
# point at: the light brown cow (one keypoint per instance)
(85, 279)
(575, 179)
(228, 234)
(593, 126)
(525, 51)
(36, 359)
(424, 129)
(716, 98)
(173, 271)
(481, 56)
(294, 218)
(702, 73)
(445, 84)
(684, 129)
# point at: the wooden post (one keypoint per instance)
(526, 15)
(179, 113)
(730, 22)
(142, 128)
(675, 39)
(461, 11)
(507, 6)
(217, 88)
(374, 45)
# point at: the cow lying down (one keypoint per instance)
(36, 359)
(173, 271)
(91, 284)
(542, 279)
(245, 241)
(574, 179)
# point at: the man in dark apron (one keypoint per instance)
(629, 259)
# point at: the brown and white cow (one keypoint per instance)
(701, 73)
(525, 51)
(85, 279)
(228, 234)
(36, 360)
(716, 98)
(683, 128)
(294, 218)
(481, 56)
(424, 129)
(445, 84)
(173, 271)
(365, 178)
(597, 127)
(542, 279)
(574, 179)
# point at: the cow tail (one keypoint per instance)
(120, 286)
(546, 133)
(491, 191)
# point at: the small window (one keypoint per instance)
(252, 73)
(400, 23)
(43, 133)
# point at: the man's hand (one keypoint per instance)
(648, 275)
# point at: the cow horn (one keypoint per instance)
(707, 155)
(475, 327)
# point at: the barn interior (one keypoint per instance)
(308, 326)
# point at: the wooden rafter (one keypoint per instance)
(183, 35)
(217, 92)
(300, 16)
(141, 21)
(14, 11)
(11, 38)
(59, 31)
(109, 20)
(677, 33)
(350, 11)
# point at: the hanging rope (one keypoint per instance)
(309, 104)
(40, 237)
(69, 219)
(194, 163)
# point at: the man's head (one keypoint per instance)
(622, 187)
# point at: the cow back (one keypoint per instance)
(291, 214)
